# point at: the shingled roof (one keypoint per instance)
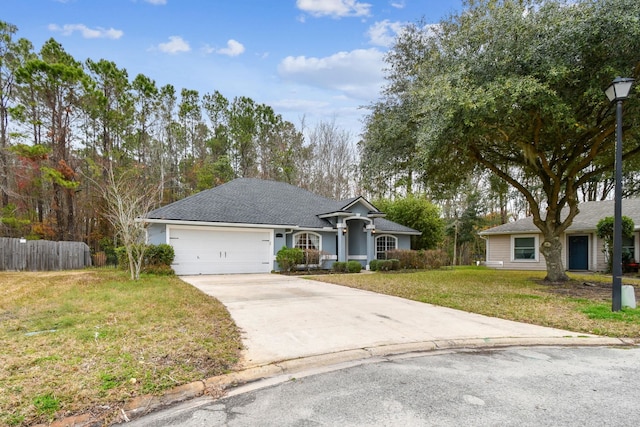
(256, 201)
(587, 220)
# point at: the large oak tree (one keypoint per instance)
(515, 87)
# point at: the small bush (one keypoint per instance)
(289, 258)
(374, 264)
(354, 267)
(435, 258)
(407, 258)
(423, 259)
(384, 265)
(340, 267)
(388, 265)
(311, 258)
(157, 258)
(121, 256)
(161, 254)
(159, 270)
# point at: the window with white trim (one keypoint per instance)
(310, 244)
(628, 249)
(385, 243)
(524, 248)
(306, 241)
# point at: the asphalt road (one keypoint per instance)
(532, 386)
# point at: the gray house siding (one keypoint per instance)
(404, 242)
(157, 234)
(357, 241)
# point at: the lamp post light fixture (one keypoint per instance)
(617, 92)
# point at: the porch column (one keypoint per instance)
(371, 242)
(342, 241)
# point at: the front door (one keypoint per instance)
(578, 252)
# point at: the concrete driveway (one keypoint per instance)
(284, 318)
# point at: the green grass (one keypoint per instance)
(74, 342)
(603, 312)
(513, 295)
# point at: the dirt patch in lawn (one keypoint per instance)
(591, 290)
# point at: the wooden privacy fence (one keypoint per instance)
(42, 255)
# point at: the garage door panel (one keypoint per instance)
(201, 251)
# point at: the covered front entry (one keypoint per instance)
(202, 250)
(578, 252)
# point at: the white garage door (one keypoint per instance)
(220, 251)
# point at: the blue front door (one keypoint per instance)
(578, 252)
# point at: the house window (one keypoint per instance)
(628, 249)
(524, 248)
(310, 244)
(384, 244)
(306, 241)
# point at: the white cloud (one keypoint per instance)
(398, 4)
(291, 104)
(156, 2)
(384, 33)
(176, 44)
(208, 49)
(87, 33)
(334, 8)
(234, 48)
(358, 73)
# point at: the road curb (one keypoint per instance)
(278, 372)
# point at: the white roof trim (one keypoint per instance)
(362, 200)
(217, 224)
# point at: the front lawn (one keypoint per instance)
(582, 305)
(88, 341)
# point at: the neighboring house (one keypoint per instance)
(240, 226)
(516, 245)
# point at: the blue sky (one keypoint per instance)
(318, 59)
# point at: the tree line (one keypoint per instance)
(69, 129)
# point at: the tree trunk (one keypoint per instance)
(551, 248)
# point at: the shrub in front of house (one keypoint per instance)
(339, 267)
(408, 259)
(417, 260)
(289, 258)
(435, 258)
(312, 259)
(161, 254)
(157, 259)
(374, 264)
(354, 267)
(388, 265)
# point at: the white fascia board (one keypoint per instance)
(333, 214)
(408, 233)
(362, 200)
(218, 224)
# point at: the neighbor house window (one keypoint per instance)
(384, 244)
(628, 249)
(524, 248)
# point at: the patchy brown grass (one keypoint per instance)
(88, 341)
(581, 305)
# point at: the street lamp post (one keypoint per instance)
(617, 92)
